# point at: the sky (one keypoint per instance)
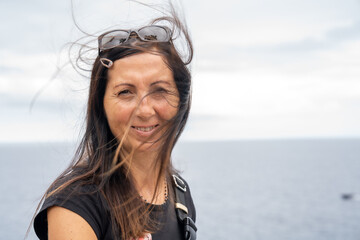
(261, 69)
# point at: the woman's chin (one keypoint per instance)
(148, 147)
(145, 147)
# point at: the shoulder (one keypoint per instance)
(63, 224)
(82, 202)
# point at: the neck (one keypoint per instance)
(145, 170)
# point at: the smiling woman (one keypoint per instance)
(121, 183)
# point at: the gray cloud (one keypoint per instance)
(236, 57)
(9, 70)
(24, 103)
(332, 39)
(30, 25)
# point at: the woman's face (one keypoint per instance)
(140, 94)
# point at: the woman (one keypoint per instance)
(121, 184)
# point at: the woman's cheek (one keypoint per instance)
(118, 120)
(123, 116)
(166, 111)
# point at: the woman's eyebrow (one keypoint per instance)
(124, 84)
(160, 81)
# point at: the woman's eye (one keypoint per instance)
(161, 90)
(124, 92)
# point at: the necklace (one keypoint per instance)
(165, 195)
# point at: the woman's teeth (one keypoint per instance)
(145, 129)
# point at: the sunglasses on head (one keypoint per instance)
(152, 33)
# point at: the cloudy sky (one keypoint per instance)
(262, 69)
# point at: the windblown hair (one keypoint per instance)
(102, 159)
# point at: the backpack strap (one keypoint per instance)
(181, 209)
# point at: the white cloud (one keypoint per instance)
(53, 123)
(246, 94)
(277, 126)
(316, 97)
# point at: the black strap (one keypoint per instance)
(181, 209)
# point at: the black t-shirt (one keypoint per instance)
(91, 206)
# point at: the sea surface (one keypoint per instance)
(250, 190)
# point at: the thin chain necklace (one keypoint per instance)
(165, 195)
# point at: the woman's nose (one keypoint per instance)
(145, 108)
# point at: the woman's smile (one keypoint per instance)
(145, 131)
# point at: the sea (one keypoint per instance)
(284, 189)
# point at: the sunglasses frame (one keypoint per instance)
(129, 32)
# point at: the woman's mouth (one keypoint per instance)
(145, 129)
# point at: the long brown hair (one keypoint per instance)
(101, 159)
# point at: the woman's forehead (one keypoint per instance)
(142, 67)
(141, 59)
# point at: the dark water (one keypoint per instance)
(253, 190)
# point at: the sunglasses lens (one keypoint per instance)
(149, 33)
(113, 39)
(154, 33)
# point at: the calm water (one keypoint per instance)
(252, 190)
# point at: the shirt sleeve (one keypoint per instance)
(87, 203)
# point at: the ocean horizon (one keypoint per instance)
(291, 189)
